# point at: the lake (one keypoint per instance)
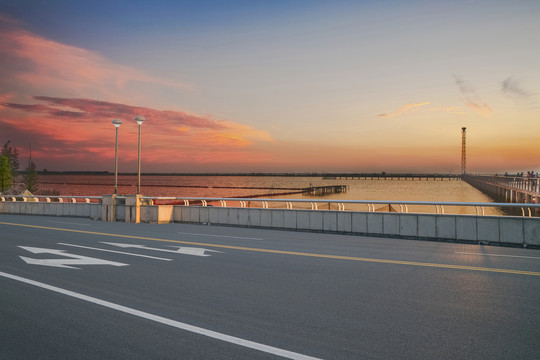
(248, 186)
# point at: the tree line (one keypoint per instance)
(9, 171)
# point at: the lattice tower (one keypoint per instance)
(463, 150)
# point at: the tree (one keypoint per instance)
(12, 154)
(5, 174)
(30, 177)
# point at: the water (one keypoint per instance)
(246, 186)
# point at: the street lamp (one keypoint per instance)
(139, 120)
(116, 123)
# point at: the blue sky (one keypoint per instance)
(293, 85)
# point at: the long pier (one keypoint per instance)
(507, 189)
(390, 176)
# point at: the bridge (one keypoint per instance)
(72, 286)
(389, 176)
(507, 188)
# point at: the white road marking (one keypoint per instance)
(182, 250)
(64, 263)
(222, 236)
(67, 222)
(115, 251)
(514, 256)
(162, 320)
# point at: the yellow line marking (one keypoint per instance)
(284, 252)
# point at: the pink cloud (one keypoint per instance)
(70, 127)
(471, 97)
(89, 110)
(479, 107)
(67, 129)
(404, 109)
(31, 61)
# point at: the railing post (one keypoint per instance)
(108, 208)
(133, 208)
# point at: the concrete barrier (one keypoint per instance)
(469, 228)
(78, 209)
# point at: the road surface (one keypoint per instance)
(75, 288)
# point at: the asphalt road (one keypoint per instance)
(73, 289)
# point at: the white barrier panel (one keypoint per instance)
(492, 229)
(88, 210)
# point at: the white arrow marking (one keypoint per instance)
(64, 263)
(116, 252)
(181, 250)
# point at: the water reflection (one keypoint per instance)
(267, 186)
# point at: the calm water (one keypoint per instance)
(216, 186)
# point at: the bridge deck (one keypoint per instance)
(392, 176)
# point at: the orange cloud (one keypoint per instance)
(471, 97)
(479, 107)
(404, 109)
(76, 131)
(453, 110)
(80, 130)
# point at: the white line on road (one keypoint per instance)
(181, 250)
(115, 251)
(159, 319)
(222, 236)
(67, 222)
(514, 256)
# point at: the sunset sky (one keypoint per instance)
(272, 86)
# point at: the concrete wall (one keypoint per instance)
(489, 229)
(88, 210)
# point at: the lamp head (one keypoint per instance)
(140, 119)
(117, 122)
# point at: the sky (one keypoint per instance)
(272, 86)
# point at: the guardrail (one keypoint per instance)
(340, 205)
(47, 198)
(531, 184)
(298, 214)
(439, 207)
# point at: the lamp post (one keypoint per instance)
(116, 123)
(139, 120)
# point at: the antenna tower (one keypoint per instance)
(463, 150)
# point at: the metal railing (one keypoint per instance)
(47, 198)
(439, 207)
(531, 184)
(340, 205)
